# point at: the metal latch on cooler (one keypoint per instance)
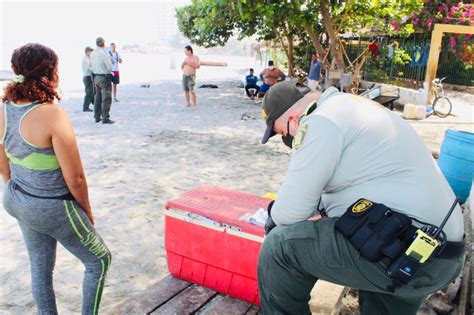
(233, 228)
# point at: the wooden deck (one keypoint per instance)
(171, 296)
(175, 296)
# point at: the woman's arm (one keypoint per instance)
(67, 153)
(4, 165)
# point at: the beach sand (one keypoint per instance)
(156, 150)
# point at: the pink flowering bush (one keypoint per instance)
(448, 12)
(435, 11)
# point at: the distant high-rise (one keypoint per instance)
(165, 14)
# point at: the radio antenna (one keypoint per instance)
(446, 218)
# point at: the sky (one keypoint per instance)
(69, 26)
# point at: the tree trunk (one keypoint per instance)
(315, 40)
(291, 62)
(288, 49)
(357, 76)
(311, 33)
(335, 43)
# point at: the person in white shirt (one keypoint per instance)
(347, 148)
(116, 59)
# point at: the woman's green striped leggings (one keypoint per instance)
(44, 223)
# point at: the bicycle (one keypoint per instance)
(441, 105)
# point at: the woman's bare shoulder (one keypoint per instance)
(52, 110)
(50, 116)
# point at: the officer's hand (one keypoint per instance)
(315, 218)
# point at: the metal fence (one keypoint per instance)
(382, 68)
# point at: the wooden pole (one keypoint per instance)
(433, 59)
(435, 48)
(213, 64)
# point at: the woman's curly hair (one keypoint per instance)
(39, 65)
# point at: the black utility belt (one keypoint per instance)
(67, 196)
(378, 232)
(452, 249)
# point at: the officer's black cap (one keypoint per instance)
(279, 98)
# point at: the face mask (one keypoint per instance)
(271, 67)
(288, 139)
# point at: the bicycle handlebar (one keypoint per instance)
(438, 81)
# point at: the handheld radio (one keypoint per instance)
(426, 241)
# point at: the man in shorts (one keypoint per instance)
(189, 66)
(116, 59)
(314, 75)
(270, 76)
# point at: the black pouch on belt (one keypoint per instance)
(374, 230)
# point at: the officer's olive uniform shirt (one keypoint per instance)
(354, 148)
(100, 61)
(86, 66)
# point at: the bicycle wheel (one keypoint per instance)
(442, 106)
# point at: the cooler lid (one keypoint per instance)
(221, 205)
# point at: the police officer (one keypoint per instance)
(102, 73)
(346, 147)
(87, 80)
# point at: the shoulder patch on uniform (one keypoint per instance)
(300, 135)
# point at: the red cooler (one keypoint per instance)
(209, 240)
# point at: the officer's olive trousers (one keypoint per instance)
(88, 88)
(294, 257)
(102, 96)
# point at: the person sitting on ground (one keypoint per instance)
(46, 189)
(251, 83)
(315, 72)
(270, 76)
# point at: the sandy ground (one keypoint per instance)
(157, 150)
